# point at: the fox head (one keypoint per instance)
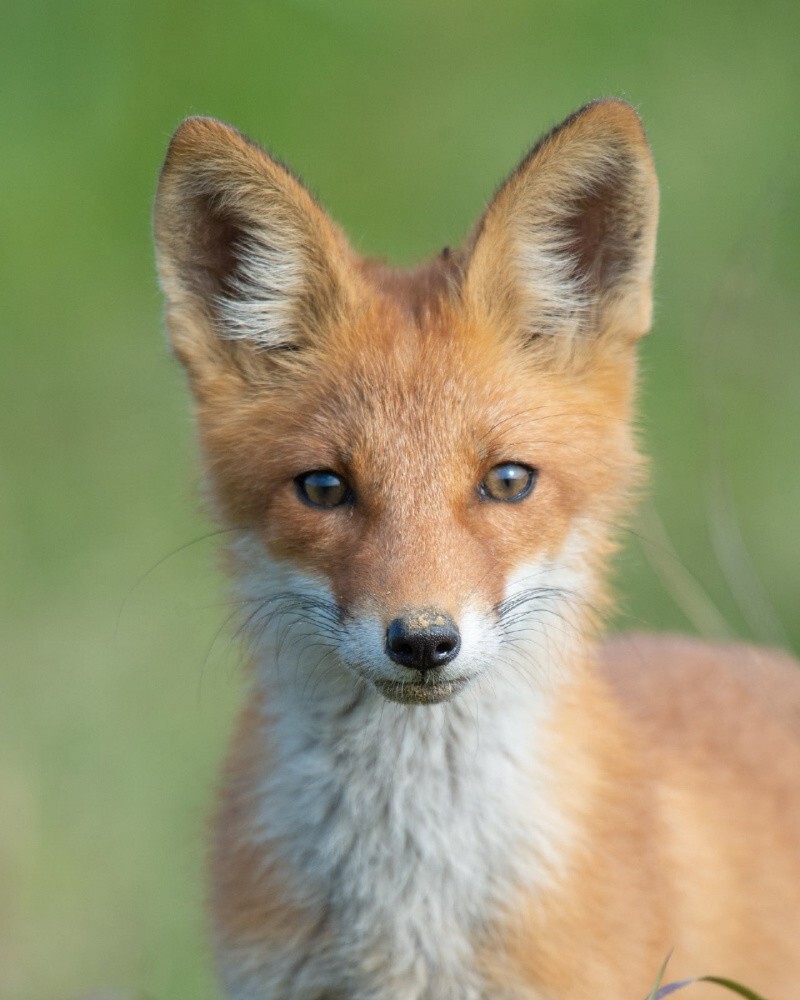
(422, 469)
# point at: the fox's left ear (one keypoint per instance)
(566, 247)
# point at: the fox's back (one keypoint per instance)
(698, 694)
(719, 729)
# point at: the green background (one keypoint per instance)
(115, 695)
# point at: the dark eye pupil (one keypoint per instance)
(508, 481)
(322, 488)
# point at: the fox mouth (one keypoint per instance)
(421, 692)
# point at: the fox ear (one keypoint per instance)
(244, 252)
(566, 247)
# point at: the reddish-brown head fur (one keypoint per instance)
(411, 386)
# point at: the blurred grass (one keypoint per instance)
(403, 118)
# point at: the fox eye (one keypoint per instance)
(323, 488)
(507, 481)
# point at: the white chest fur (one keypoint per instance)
(404, 828)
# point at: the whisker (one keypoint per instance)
(160, 562)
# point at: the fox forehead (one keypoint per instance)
(414, 393)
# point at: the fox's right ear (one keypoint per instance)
(247, 259)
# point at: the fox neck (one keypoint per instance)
(410, 826)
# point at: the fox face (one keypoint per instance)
(422, 470)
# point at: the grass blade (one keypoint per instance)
(672, 988)
(659, 992)
(654, 993)
(734, 987)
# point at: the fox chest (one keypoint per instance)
(401, 855)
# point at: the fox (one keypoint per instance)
(447, 781)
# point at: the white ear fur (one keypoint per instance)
(259, 303)
(244, 252)
(567, 245)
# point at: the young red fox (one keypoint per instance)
(444, 785)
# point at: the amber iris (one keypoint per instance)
(507, 481)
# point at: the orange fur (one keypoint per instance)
(674, 766)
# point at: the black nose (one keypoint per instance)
(423, 640)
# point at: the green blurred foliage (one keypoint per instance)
(118, 691)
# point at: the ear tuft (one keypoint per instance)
(244, 252)
(250, 275)
(567, 245)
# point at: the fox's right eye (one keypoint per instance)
(323, 488)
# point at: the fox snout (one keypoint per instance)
(423, 640)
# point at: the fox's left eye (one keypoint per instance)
(323, 488)
(507, 481)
